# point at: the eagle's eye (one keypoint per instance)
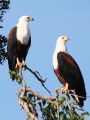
(27, 17)
(62, 37)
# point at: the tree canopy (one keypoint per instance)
(4, 5)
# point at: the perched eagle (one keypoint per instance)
(19, 41)
(68, 71)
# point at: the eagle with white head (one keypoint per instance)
(68, 71)
(19, 41)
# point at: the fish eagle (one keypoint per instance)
(19, 41)
(68, 71)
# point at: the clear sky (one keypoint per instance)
(52, 19)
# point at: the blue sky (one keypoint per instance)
(52, 19)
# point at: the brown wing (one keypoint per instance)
(71, 74)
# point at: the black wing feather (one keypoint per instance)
(22, 49)
(11, 49)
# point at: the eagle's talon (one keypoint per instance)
(20, 64)
(65, 88)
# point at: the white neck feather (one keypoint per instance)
(60, 47)
(23, 32)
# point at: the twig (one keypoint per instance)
(69, 91)
(48, 99)
(74, 94)
(38, 76)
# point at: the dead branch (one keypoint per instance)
(74, 94)
(38, 76)
(48, 99)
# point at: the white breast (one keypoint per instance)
(60, 47)
(55, 62)
(23, 33)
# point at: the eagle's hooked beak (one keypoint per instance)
(66, 38)
(30, 19)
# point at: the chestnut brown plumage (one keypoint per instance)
(68, 71)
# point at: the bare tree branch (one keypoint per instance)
(38, 76)
(28, 108)
(48, 99)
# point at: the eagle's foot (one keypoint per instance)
(64, 89)
(20, 64)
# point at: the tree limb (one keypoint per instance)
(38, 76)
(28, 108)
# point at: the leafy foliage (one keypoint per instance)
(3, 53)
(65, 110)
(4, 5)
